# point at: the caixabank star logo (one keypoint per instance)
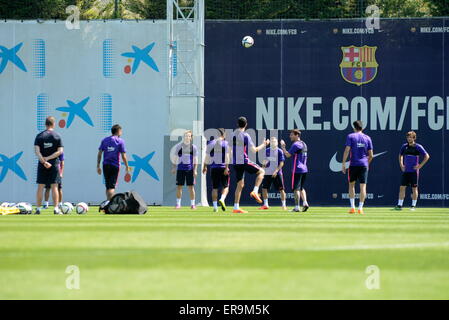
(358, 65)
(11, 56)
(138, 56)
(133, 60)
(11, 164)
(141, 164)
(74, 109)
(91, 111)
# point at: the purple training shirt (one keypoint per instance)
(112, 147)
(360, 144)
(217, 150)
(274, 157)
(186, 156)
(241, 142)
(298, 150)
(411, 155)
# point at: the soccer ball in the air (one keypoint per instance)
(66, 207)
(248, 42)
(82, 208)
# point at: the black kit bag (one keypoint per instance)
(125, 203)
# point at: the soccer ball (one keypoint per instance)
(82, 208)
(248, 42)
(25, 208)
(66, 207)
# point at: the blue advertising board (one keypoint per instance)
(320, 76)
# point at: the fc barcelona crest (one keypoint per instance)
(358, 65)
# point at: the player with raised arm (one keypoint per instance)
(111, 148)
(48, 147)
(360, 147)
(217, 157)
(273, 165)
(409, 157)
(185, 166)
(298, 151)
(241, 143)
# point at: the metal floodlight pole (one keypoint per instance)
(186, 46)
(170, 44)
(185, 52)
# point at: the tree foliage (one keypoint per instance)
(224, 9)
(147, 9)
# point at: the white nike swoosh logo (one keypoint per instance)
(335, 166)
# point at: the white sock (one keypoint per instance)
(400, 202)
(223, 198)
(265, 202)
(352, 201)
(305, 204)
(414, 203)
(256, 189)
(192, 202)
(284, 203)
(360, 205)
(178, 202)
(297, 207)
(236, 206)
(46, 203)
(215, 203)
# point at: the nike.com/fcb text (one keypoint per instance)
(390, 113)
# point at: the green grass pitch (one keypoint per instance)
(186, 254)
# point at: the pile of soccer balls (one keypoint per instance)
(23, 207)
(66, 207)
(80, 208)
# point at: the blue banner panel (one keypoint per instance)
(319, 77)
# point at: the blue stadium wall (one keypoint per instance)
(291, 78)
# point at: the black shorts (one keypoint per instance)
(298, 181)
(48, 176)
(110, 173)
(219, 179)
(358, 174)
(249, 167)
(277, 182)
(410, 179)
(184, 177)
